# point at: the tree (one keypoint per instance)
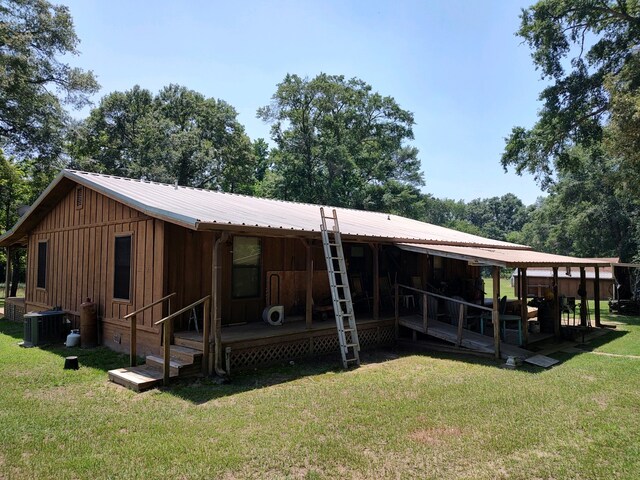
(584, 49)
(338, 142)
(178, 135)
(497, 217)
(34, 82)
(586, 214)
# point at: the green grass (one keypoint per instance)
(505, 288)
(399, 416)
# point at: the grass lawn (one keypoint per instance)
(401, 416)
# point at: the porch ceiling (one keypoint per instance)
(502, 257)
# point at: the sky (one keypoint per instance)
(455, 64)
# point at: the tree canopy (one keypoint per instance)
(178, 135)
(339, 142)
(35, 83)
(588, 51)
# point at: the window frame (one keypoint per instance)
(117, 235)
(257, 267)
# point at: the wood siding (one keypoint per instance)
(81, 264)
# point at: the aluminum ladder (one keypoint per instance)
(340, 292)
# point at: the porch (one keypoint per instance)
(258, 343)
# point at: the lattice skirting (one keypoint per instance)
(317, 345)
(14, 312)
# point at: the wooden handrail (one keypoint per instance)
(182, 310)
(463, 302)
(133, 332)
(166, 324)
(149, 306)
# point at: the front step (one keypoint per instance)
(137, 379)
(189, 341)
(184, 362)
(177, 367)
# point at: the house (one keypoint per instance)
(212, 263)
(541, 279)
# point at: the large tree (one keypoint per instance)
(178, 135)
(339, 142)
(586, 50)
(35, 82)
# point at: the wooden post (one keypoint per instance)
(376, 282)
(215, 361)
(524, 311)
(596, 295)
(206, 335)
(460, 323)
(397, 308)
(583, 298)
(425, 312)
(133, 355)
(7, 274)
(556, 304)
(308, 314)
(496, 314)
(519, 286)
(166, 353)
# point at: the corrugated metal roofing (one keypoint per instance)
(605, 273)
(504, 257)
(206, 209)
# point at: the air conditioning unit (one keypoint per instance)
(41, 328)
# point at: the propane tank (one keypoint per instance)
(73, 339)
(88, 324)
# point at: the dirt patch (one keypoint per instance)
(432, 436)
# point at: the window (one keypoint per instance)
(41, 281)
(122, 268)
(79, 197)
(246, 267)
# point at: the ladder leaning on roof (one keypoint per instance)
(340, 292)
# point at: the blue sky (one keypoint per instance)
(456, 64)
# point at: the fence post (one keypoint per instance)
(166, 355)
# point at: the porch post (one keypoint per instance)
(7, 271)
(308, 313)
(518, 285)
(583, 298)
(596, 295)
(376, 281)
(215, 361)
(556, 304)
(524, 311)
(495, 315)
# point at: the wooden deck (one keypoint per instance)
(471, 340)
(260, 343)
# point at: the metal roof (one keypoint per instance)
(200, 209)
(504, 257)
(605, 273)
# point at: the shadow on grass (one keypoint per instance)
(200, 390)
(100, 358)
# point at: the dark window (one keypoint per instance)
(79, 197)
(42, 265)
(122, 269)
(246, 267)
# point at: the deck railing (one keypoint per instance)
(425, 309)
(132, 317)
(167, 323)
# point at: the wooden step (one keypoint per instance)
(186, 354)
(189, 341)
(177, 367)
(137, 379)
